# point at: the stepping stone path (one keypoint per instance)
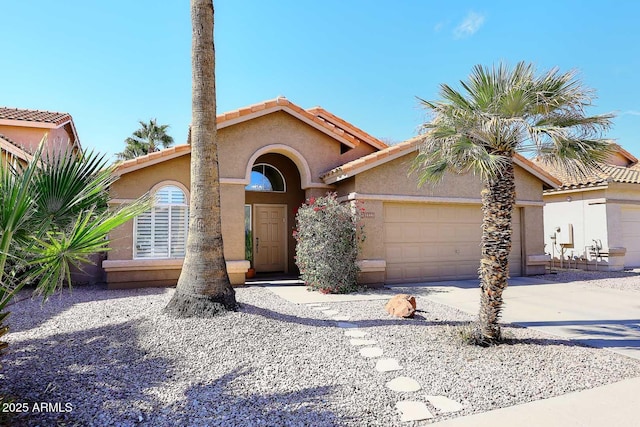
(403, 384)
(371, 352)
(388, 365)
(410, 410)
(444, 404)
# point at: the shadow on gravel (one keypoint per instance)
(101, 373)
(220, 403)
(418, 320)
(26, 315)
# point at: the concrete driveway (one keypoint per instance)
(599, 317)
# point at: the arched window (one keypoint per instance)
(161, 232)
(266, 178)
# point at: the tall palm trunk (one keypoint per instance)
(498, 198)
(203, 288)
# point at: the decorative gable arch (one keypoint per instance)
(306, 180)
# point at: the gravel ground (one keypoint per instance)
(117, 360)
(628, 280)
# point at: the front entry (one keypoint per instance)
(269, 240)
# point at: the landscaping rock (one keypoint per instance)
(401, 305)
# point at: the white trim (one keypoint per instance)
(428, 199)
(169, 182)
(286, 109)
(287, 151)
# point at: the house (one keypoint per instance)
(22, 130)
(275, 155)
(593, 221)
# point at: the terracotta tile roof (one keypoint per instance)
(403, 148)
(152, 158)
(369, 160)
(347, 127)
(342, 129)
(603, 174)
(34, 116)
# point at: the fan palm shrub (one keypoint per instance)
(499, 112)
(53, 216)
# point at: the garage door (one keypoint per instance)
(631, 235)
(438, 242)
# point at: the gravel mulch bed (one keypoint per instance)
(116, 359)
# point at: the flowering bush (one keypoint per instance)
(328, 234)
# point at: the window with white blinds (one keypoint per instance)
(162, 231)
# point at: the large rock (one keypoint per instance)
(401, 305)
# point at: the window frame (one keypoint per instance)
(170, 232)
(264, 166)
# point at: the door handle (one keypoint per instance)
(257, 244)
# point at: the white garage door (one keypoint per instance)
(438, 242)
(631, 235)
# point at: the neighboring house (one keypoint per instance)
(24, 129)
(275, 155)
(11, 152)
(595, 218)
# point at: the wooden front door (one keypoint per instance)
(269, 242)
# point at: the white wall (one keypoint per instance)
(589, 221)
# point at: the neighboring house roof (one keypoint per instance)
(317, 117)
(599, 176)
(395, 151)
(13, 148)
(39, 119)
(35, 116)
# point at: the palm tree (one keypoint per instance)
(53, 215)
(146, 139)
(502, 111)
(203, 288)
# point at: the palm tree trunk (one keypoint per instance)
(498, 198)
(204, 288)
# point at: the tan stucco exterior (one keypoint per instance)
(304, 151)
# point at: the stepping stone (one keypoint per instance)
(341, 318)
(347, 325)
(371, 352)
(388, 365)
(358, 341)
(331, 312)
(403, 384)
(356, 334)
(444, 404)
(320, 307)
(410, 410)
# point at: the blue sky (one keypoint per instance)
(113, 63)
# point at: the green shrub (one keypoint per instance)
(328, 234)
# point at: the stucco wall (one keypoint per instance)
(30, 137)
(239, 142)
(588, 220)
